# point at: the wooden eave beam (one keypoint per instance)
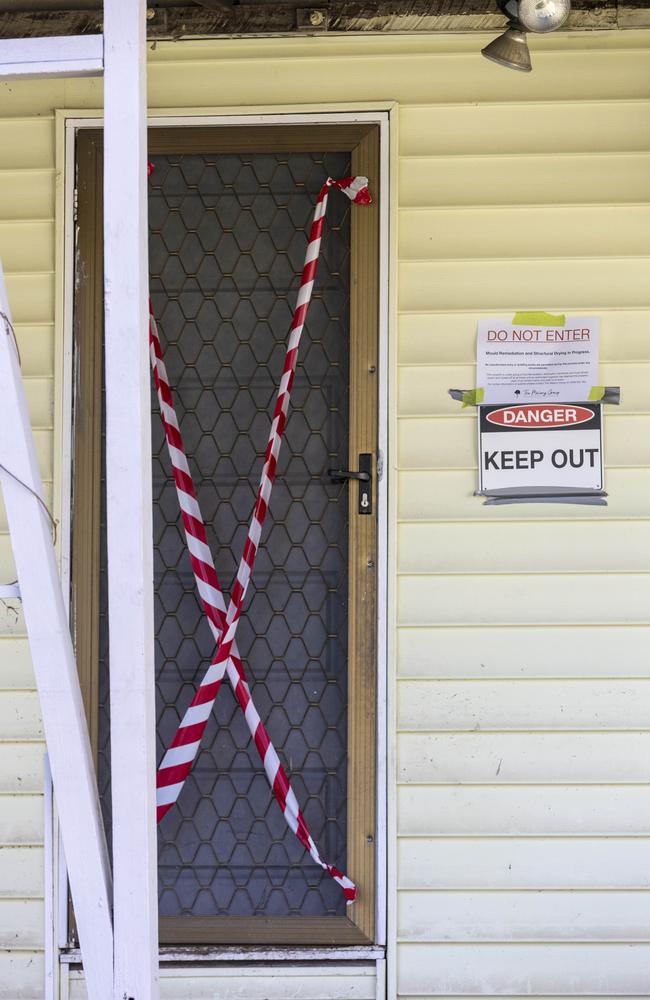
(194, 21)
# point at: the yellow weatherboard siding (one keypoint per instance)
(521, 633)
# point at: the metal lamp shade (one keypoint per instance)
(510, 49)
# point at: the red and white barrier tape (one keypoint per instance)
(178, 760)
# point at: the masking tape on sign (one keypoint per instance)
(472, 397)
(538, 319)
(468, 397)
(541, 494)
(598, 393)
(596, 500)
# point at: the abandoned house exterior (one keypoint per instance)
(460, 694)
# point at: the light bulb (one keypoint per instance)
(543, 15)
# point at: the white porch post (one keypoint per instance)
(128, 503)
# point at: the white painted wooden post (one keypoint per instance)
(128, 502)
(57, 680)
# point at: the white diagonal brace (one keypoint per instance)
(129, 503)
(57, 680)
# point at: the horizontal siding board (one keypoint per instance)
(26, 194)
(39, 393)
(450, 442)
(537, 651)
(450, 337)
(31, 297)
(21, 923)
(508, 548)
(523, 916)
(21, 873)
(596, 599)
(21, 818)
(26, 245)
(21, 975)
(423, 389)
(594, 969)
(84, 93)
(306, 983)
(549, 810)
(523, 863)
(20, 716)
(525, 758)
(443, 443)
(542, 180)
(523, 231)
(16, 663)
(21, 765)
(32, 98)
(26, 143)
(36, 345)
(448, 495)
(575, 285)
(523, 704)
(414, 78)
(545, 127)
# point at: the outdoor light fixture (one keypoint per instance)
(511, 48)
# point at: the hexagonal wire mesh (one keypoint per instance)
(227, 242)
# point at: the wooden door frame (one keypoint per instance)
(362, 141)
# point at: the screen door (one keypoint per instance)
(228, 233)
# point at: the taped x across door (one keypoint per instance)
(228, 237)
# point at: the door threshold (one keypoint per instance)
(277, 953)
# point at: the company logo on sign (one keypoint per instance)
(540, 415)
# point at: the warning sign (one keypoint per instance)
(540, 447)
(534, 362)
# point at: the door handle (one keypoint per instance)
(363, 476)
(341, 475)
